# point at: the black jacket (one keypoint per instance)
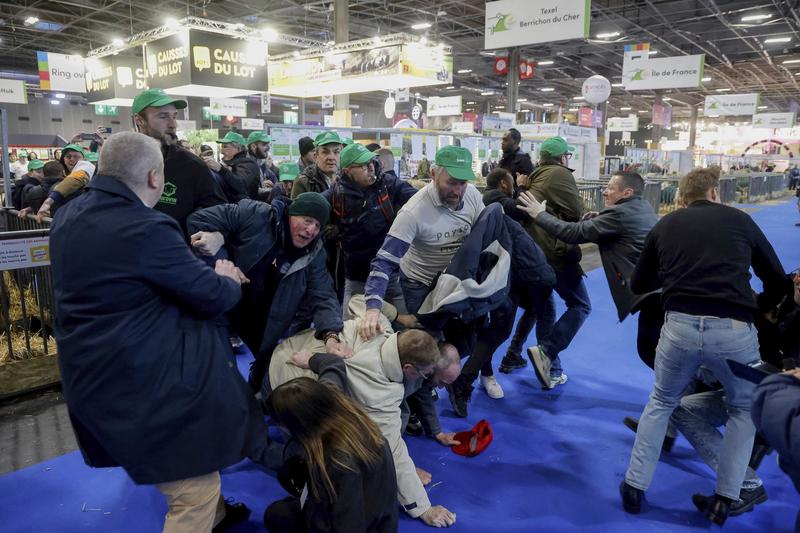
(363, 218)
(517, 163)
(33, 196)
(188, 185)
(619, 231)
(241, 177)
(701, 257)
(19, 187)
(510, 208)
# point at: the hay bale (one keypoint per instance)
(20, 350)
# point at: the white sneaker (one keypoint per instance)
(556, 381)
(493, 388)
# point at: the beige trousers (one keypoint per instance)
(195, 504)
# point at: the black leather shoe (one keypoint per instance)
(414, 426)
(633, 425)
(631, 498)
(512, 362)
(748, 499)
(760, 450)
(715, 507)
(459, 398)
(234, 513)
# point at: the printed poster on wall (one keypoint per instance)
(639, 72)
(522, 22)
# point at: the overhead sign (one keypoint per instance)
(13, 92)
(383, 68)
(662, 115)
(186, 125)
(444, 106)
(60, 72)
(541, 131)
(103, 110)
(114, 80)
(462, 127)
(403, 95)
(640, 72)
(596, 89)
(253, 124)
(585, 116)
(522, 22)
(327, 102)
(623, 123)
(731, 104)
(266, 104)
(496, 123)
(195, 63)
(774, 120)
(228, 107)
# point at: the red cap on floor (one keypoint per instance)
(474, 441)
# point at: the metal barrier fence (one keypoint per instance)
(26, 312)
(592, 196)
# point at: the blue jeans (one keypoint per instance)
(686, 342)
(543, 316)
(414, 293)
(571, 289)
(698, 417)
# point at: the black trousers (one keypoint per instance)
(651, 319)
(285, 516)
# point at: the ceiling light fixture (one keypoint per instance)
(578, 98)
(487, 93)
(547, 105)
(30, 21)
(55, 102)
(608, 35)
(464, 71)
(791, 61)
(545, 63)
(624, 108)
(618, 85)
(750, 18)
(763, 107)
(642, 111)
(421, 26)
(170, 21)
(269, 34)
(778, 40)
(60, 96)
(522, 99)
(652, 52)
(118, 43)
(547, 89)
(706, 79)
(724, 90)
(450, 87)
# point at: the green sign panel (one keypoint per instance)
(208, 116)
(106, 110)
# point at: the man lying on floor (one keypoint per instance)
(381, 372)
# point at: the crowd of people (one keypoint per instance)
(359, 296)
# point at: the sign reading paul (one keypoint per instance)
(522, 22)
(199, 63)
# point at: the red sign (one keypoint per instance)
(527, 69)
(585, 116)
(501, 65)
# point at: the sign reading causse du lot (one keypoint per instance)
(522, 22)
(731, 104)
(663, 73)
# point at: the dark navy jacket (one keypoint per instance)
(251, 230)
(363, 218)
(149, 379)
(497, 261)
(776, 414)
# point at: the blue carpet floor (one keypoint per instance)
(555, 464)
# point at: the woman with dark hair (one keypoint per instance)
(350, 484)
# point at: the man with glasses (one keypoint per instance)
(552, 182)
(380, 374)
(363, 208)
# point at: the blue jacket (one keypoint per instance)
(776, 414)
(149, 379)
(497, 261)
(363, 218)
(251, 230)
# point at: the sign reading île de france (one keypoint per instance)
(522, 22)
(731, 104)
(663, 73)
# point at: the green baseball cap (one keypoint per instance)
(36, 164)
(22, 153)
(258, 137)
(74, 148)
(155, 98)
(556, 146)
(328, 137)
(457, 161)
(233, 137)
(347, 141)
(91, 157)
(355, 154)
(288, 171)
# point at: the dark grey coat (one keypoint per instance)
(619, 231)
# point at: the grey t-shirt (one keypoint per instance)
(434, 231)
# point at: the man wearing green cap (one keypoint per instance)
(20, 167)
(241, 176)
(554, 183)
(70, 155)
(258, 150)
(426, 234)
(188, 184)
(320, 176)
(279, 248)
(287, 173)
(34, 195)
(33, 176)
(364, 207)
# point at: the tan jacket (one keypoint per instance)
(375, 379)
